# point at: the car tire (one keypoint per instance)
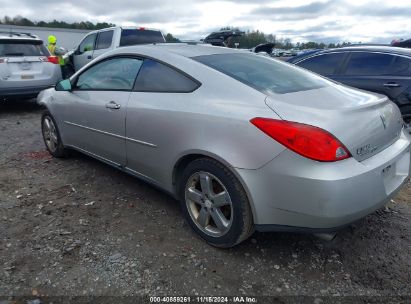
(221, 220)
(51, 136)
(406, 116)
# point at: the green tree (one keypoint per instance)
(170, 38)
(18, 20)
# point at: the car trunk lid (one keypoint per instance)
(22, 60)
(365, 123)
(23, 68)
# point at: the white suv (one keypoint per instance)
(26, 67)
(98, 42)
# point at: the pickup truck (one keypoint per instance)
(98, 42)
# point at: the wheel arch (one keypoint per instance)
(187, 158)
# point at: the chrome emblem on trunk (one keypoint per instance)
(367, 149)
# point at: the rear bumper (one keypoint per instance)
(292, 193)
(22, 92)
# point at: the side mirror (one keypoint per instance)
(77, 51)
(64, 85)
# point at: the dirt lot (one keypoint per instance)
(77, 227)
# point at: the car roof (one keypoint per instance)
(182, 49)
(373, 48)
(124, 28)
(18, 36)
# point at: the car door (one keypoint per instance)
(94, 117)
(104, 42)
(388, 74)
(84, 52)
(161, 93)
(328, 64)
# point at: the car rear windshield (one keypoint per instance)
(13, 48)
(263, 73)
(140, 36)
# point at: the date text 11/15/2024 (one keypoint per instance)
(203, 299)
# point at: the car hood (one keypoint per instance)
(364, 122)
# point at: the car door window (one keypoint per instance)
(369, 64)
(87, 44)
(110, 75)
(104, 40)
(157, 77)
(401, 66)
(325, 64)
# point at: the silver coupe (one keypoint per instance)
(244, 141)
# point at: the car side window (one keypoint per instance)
(325, 64)
(87, 44)
(369, 64)
(104, 40)
(157, 77)
(116, 74)
(401, 66)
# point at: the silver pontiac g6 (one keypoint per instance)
(245, 142)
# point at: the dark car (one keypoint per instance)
(221, 38)
(402, 43)
(303, 54)
(380, 69)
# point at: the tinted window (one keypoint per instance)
(88, 43)
(323, 64)
(157, 77)
(263, 73)
(113, 74)
(137, 36)
(401, 66)
(17, 48)
(369, 64)
(104, 40)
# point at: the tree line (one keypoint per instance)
(253, 38)
(250, 38)
(83, 25)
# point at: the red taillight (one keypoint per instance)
(53, 59)
(306, 140)
(141, 28)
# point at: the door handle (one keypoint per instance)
(113, 105)
(391, 85)
(89, 57)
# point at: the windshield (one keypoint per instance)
(139, 36)
(263, 73)
(10, 48)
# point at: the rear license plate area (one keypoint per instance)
(395, 174)
(27, 77)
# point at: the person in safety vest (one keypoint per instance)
(58, 52)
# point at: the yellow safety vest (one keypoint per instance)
(51, 48)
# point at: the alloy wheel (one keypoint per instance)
(50, 134)
(407, 122)
(209, 204)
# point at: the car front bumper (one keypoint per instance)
(295, 193)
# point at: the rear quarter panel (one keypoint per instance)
(213, 121)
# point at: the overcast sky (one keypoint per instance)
(300, 20)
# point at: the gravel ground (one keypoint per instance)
(77, 227)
